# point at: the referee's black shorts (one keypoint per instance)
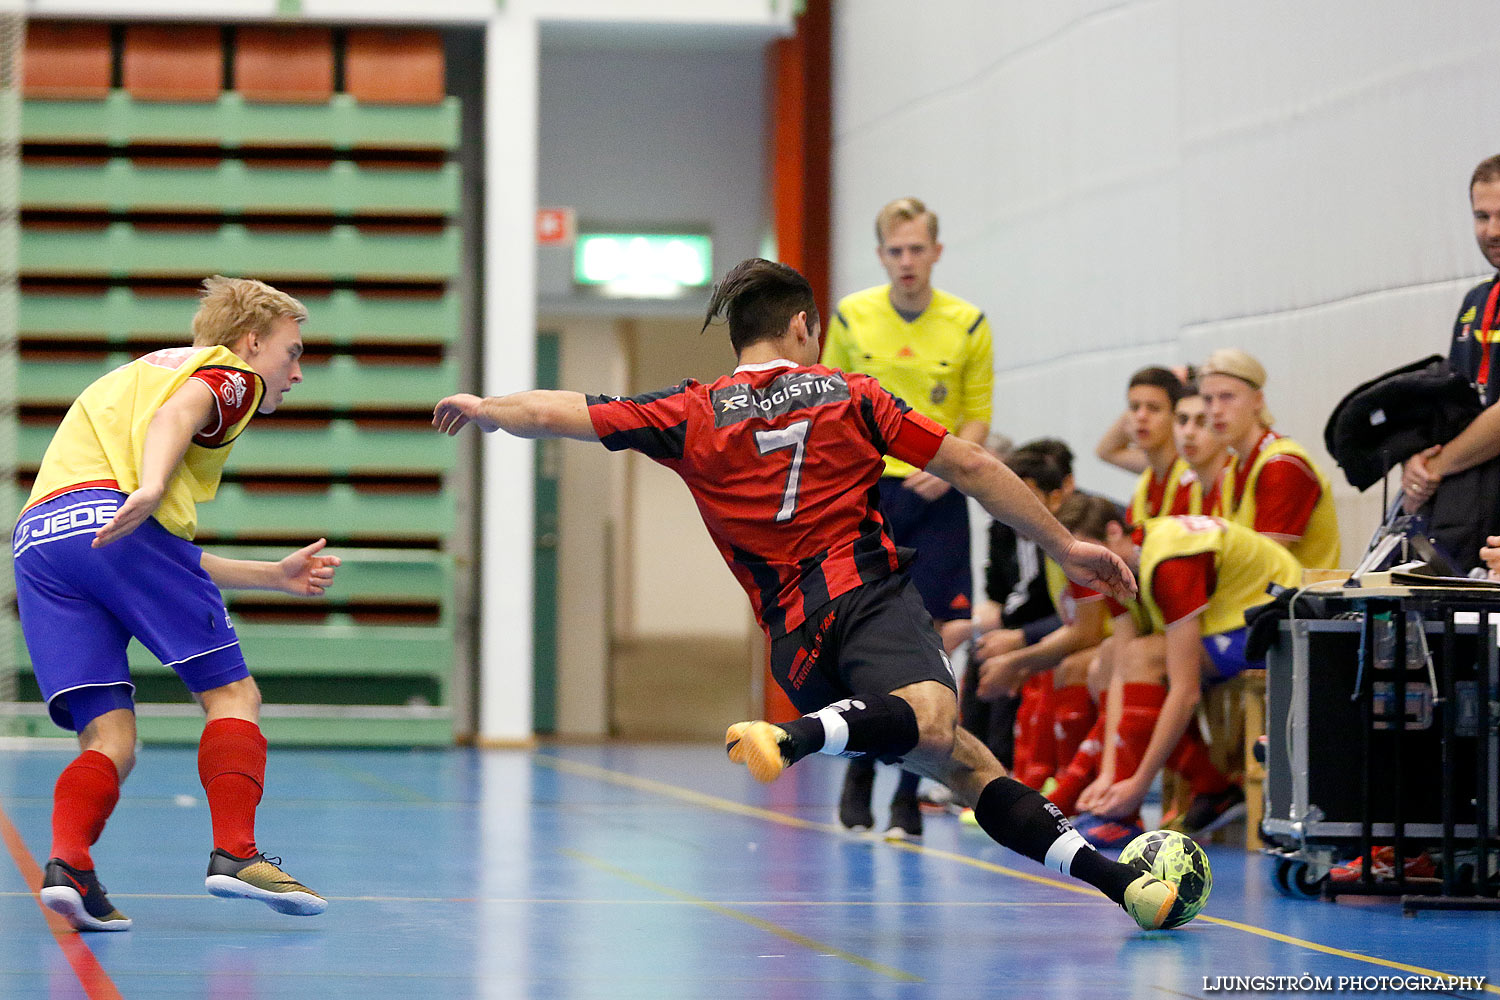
(939, 531)
(871, 640)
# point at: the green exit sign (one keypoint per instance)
(643, 265)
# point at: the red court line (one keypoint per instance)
(91, 975)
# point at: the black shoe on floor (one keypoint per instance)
(79, 897)
(906, 819)
(854, 801)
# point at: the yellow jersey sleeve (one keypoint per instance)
(979, 374)
(837, 348)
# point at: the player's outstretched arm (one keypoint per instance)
(1003, 496)
(167, 437)
(308, 572)
(536, 413)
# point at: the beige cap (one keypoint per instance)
(1236, 363)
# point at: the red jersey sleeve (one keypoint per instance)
(1181, 585)
(1285, 494)
(234, 397)
(896, 428)
(654, 424)
(1082, 594)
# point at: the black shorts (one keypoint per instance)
(872, 640)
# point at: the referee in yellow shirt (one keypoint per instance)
(932, 350)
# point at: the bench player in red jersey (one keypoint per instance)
(783, 458)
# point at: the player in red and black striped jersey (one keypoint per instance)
(783, 462)
(782, 457)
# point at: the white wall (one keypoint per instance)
(1124, 182)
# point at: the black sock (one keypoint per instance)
(907, 787)
(880, 725)
(1021, 819)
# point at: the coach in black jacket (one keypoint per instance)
(1475, 351)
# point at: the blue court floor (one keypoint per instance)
(640, 871)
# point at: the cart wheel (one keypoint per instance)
(1292, 880)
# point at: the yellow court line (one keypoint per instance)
(727, 805)
(893, 904)
(378, 783)
(755, 812)
(791, 936)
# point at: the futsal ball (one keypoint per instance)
(1179, 860)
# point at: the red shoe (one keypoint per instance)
(1383, 865)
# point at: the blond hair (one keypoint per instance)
(904, 210)
(233, 307)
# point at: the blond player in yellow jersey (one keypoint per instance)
(104, 553)
(1272, 485)
(933, 351)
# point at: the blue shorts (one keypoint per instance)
(1227, 652)
(939, 531)
(81, 606)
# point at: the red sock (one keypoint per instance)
(1082, 769)
(1191, 760)
(1142, 707)
(1034, 719)
(1021, 754)
(1073, 714)
(82, 799)
(232, 767)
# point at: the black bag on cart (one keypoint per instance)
(1388, 419)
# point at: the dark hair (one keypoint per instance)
(1037, 466)
(1088, 515)
(1055, 449)
(1162, 378)
(1488, 170)
(759, 297)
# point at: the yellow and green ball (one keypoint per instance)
(1175, 858)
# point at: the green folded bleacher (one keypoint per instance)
(234, 186)
(344, 316)
(354, 206)
(341, 126)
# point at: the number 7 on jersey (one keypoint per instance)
(790, 436)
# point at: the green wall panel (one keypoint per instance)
(341, 509)
(120, 250)
(231, 121)
(340, 381)
(344, 317)
(234, 186)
